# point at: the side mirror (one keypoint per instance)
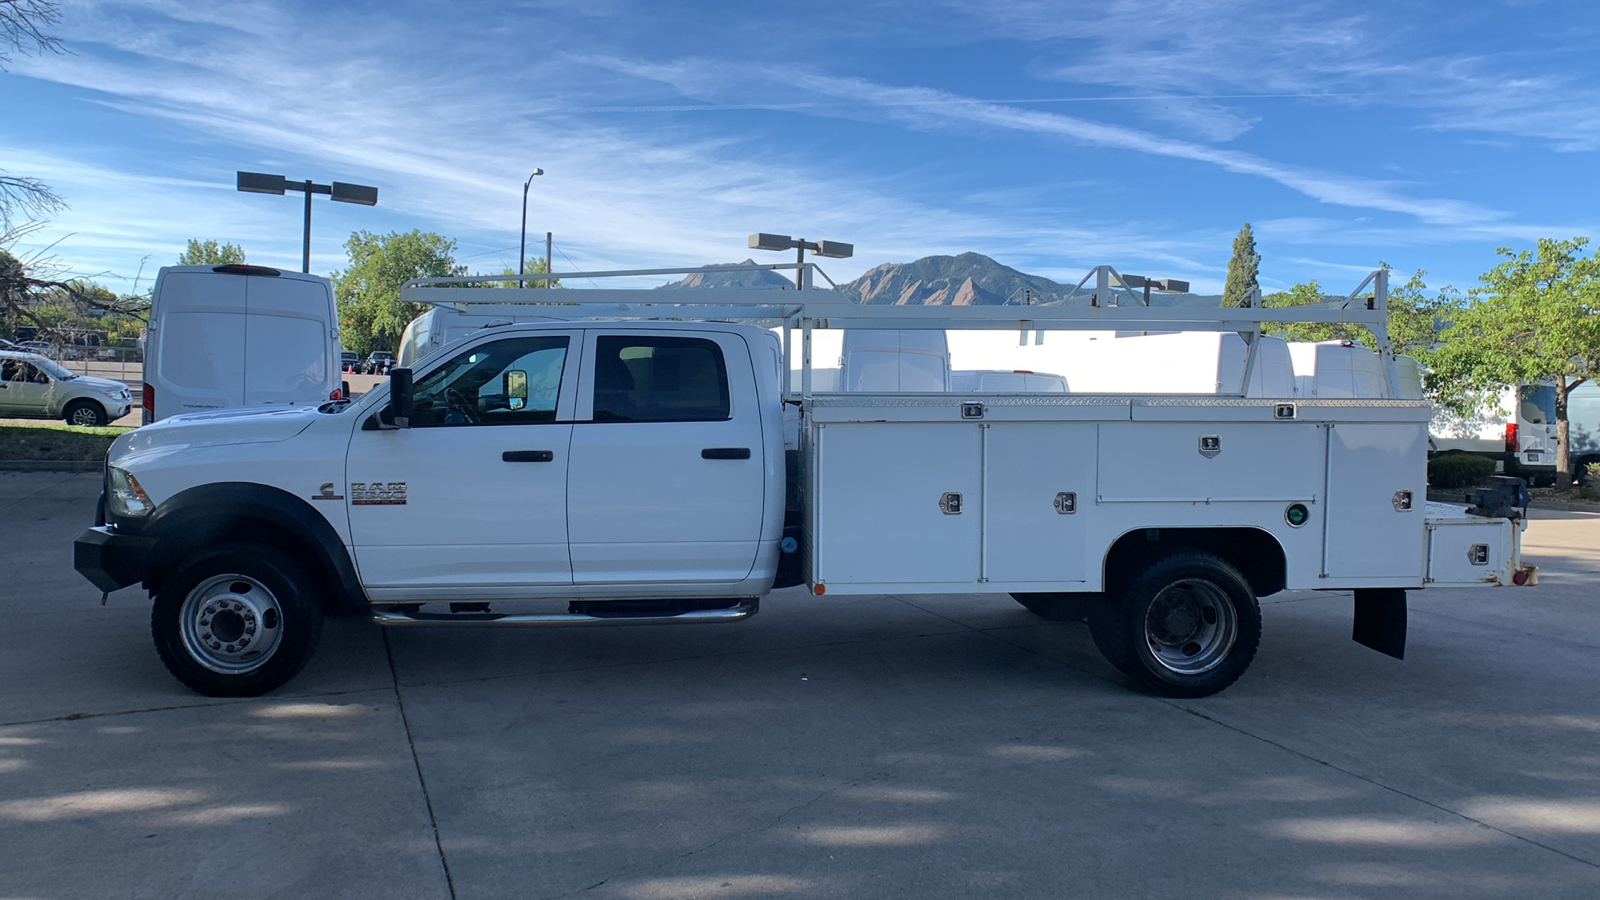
(516, 389)
(400, 399)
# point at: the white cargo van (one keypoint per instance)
(237, 335)
(442, 325)
(1515, 427)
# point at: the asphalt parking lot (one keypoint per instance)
(905, 746)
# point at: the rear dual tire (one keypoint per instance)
(1188, 626)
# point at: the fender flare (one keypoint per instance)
(205, 512)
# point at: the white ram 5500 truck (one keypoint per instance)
(639, 462)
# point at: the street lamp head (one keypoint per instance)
(765, 241)
(257, 183)
(834, 249)
(354, 193)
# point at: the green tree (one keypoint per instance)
(210, 253)
(536, 265)
(1242, 268)
(1413, 316)
(1535, 317)
(371, 312)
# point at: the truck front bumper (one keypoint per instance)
(111, 560)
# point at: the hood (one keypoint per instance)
(208, 429)
(99, 384)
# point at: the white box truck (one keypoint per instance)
(643, 462)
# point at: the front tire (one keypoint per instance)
(1187, 626)
(237, 620)
(85, 413)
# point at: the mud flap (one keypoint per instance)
(1381, 620)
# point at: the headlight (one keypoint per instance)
(124, 497)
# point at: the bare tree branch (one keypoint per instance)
(22, 28)
(25, 198)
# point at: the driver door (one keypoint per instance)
(470, 503)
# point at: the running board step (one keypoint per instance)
(410, 614)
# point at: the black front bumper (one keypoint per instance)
(111, 560)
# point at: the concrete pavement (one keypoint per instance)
(910, 746)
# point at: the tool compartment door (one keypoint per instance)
(1368, 536)
(878, 512)
(1030, 536)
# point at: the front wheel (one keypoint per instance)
(1187, 626)
(86, 413)
(236, 621)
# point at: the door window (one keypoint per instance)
(15, 370)
(509, 382)
(659, 379)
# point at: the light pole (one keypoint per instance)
(257, 183)
(829, 249)
(522, 250)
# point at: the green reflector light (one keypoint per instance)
(1296, 515)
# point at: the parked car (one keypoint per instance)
(349, 361)
(379, 362)
(37, 387)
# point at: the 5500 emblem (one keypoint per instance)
(378, 493)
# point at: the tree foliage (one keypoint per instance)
(1533, 318)
(60, 310)
(1243, 268)
(210, 253)
(1413, 316)
(536, 265)
(371, 313)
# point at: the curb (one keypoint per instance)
(50, 465)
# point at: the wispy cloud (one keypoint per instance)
(928, 108)
(1544, 92)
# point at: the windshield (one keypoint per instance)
(54, 369)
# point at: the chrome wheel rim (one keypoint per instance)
(231, 624)
(1190, 627)
(83, 416)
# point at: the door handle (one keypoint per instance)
(725, 453)
(528, 456)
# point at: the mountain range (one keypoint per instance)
(969, 279)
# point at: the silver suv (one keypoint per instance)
(36, 387)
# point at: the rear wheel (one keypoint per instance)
(236, 621)
(1187, 626)
(86, 413)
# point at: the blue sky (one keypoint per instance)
(1052, 136)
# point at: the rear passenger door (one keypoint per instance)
(666, 483)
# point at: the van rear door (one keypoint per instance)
(288, 347)
(200, 342)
